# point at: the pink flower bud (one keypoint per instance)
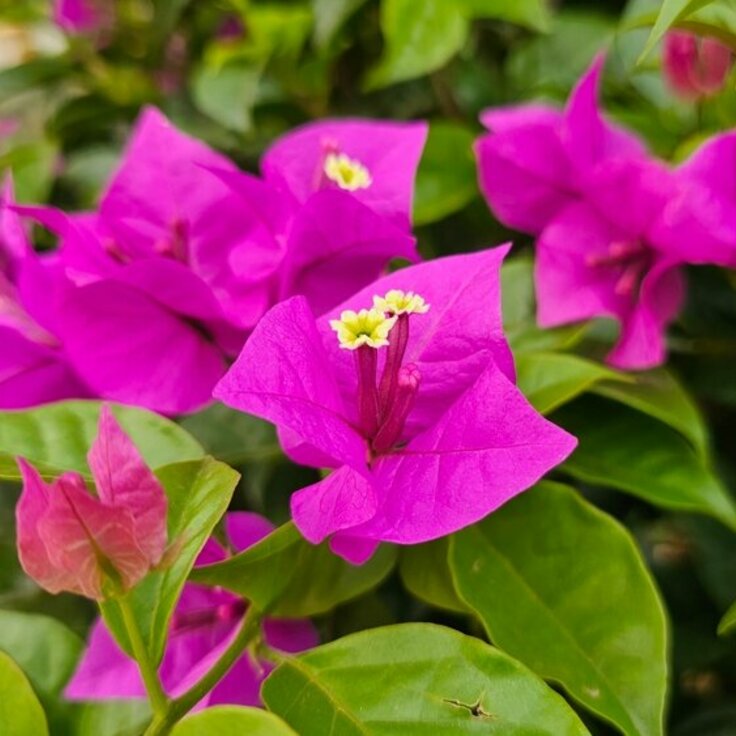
(78, 16)
(695, 67)
(99, 545)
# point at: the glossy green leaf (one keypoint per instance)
(660, 394)
(110, 718)
(416, 679)
(57, 437)
(630, 451)
(670, 12)
(425, 573)
(20, 712)
(198, 493)
(227, 93)
(232, 721)
(45, 649)
(562, 587)
(419, 38)
(728, 622)
(534, 14)
(446, 180)
(550, 380)
(286, 575)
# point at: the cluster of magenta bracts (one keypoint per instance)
(401, 383)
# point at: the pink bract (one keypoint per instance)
(69, 540)
(202, 627)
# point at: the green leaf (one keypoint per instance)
(562, 587)
(670, 12)
(419, 38)
(728, 622)
(330, 16)
(34, 166)
(227, 93)
(198, 493)
(630, 451)
(45, 649)
(286, 575)
(534, 14)
(110, 718)
(659, 394)
(416, 679)
(425, 572)
(446, 180)
(232, 721)
(20, 712)
(549, 380)
(57, 437)
(38, 72)
(233, 436)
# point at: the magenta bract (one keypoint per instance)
(695, 67)
(440, 440)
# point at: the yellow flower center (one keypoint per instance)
(346, 172)
(400, 302)
(367, 327)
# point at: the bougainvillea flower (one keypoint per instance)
(203, 624)
(695, 67)
(600, 257)
(536, 159)
(70, 540)
(185, 255)
(34, 368)
(78, 16)
(407, 390)
(376, 162)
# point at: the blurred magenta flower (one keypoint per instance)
(78, 16)
(204, 623)
(441, 440)
(693, 66)
(184, 256)
(96, 546)
(376, 162)
(34, 368)
(614, 225)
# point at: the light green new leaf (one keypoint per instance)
(329, 17)
(630, 451)
(287, 576)
(728, 622)
(659, 394)
(419, 38)
(20, 712)
(232, 721)
(198, 493)
(425, 573)
(45, 649)
(550, 380)
(446, 180)
(670, 12)
(416, 679)
(562, 587)
(57, 437)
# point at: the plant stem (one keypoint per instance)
(159, 701)
(176, 709)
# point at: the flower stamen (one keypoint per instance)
(348, 173)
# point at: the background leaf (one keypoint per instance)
(287, 576)
(414, 678)
(57, 437)
(198, 493)
(627, 450)
(728, 622)
(562, 587)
